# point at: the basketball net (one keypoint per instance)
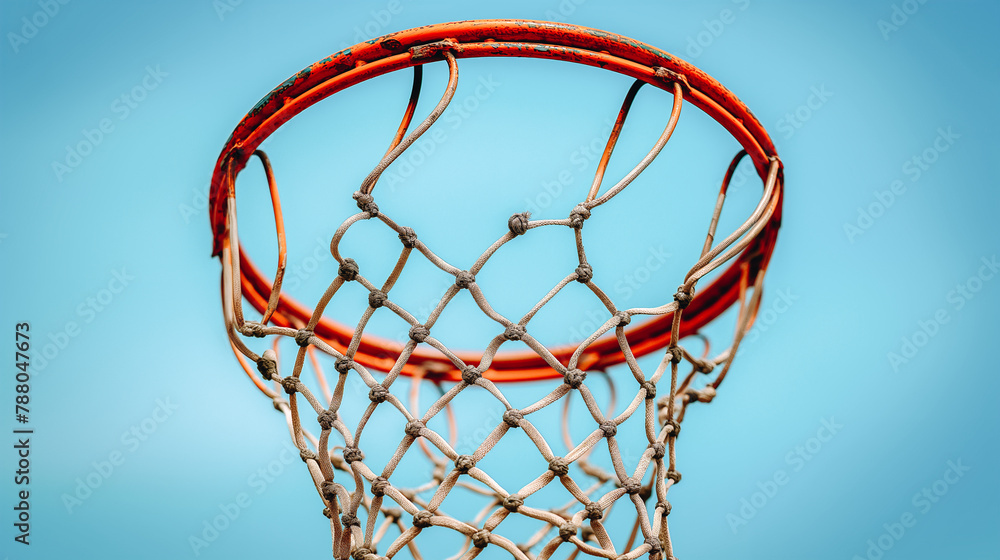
(371, 515)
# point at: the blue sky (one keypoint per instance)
(867, 385)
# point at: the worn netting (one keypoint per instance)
(371, 514)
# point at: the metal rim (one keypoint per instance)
(513, 38)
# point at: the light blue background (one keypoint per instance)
(136, 202)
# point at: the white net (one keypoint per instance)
(502, 507)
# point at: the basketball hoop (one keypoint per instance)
(360, 513)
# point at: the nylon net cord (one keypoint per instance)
(361, 517)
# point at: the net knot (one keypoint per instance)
(574, 378)
(326, 419)
(632, 485)
(675, 428)
(378, 394)
(665, 506)
(513, 418)
(408, 237)
(350, 520)
(255, 330)
(704, 367)
(362, 553)
(650, 388)
(343, 365)
(514, 332)
(623, 317)
(659, 450)
(471, 374)
(353, 455)
(578, 215)
(413, 428)
(584, 273)
(348, 269)
(329, 490)
(419, 333)
(559, 466)
(518, 223)
(707, 394)
(267, 366)
(676, 354)
(379, 486)
(513, 502)
(674, 476)
(683, 298)
(366, 203)
(655, 547)
(464, 462)
(377, 298)
(594, 511)
(481, 538)
(567, 531)
(464, 279)
(290, 384)
(422, 519)
(609, 429)
(302, 337)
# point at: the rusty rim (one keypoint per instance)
(472, 39)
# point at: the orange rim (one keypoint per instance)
(472, 39)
